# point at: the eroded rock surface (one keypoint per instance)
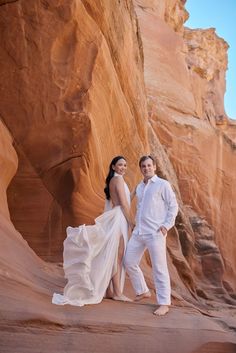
(82, 81)
(185, 75)
(74, 72)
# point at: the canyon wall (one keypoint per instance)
(73, 96)
(26, 280)
(82, 81)
(184, 73)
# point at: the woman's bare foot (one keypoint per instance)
(142, 296)
(122, 298)
(161, 310)
(109, 293)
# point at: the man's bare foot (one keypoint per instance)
(122, 298)
(142, 296)
(161, 310)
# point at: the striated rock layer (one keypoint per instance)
(73, 81)
(185, 79)
(82, 81)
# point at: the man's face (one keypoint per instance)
(148, 168)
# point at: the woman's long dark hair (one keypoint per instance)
(110, 175)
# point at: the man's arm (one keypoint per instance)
(172, 206)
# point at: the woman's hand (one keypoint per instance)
(133, 193)
(131, 225)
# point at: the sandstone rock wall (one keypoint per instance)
(82, 81)
(26, 280)
(8, 167)
(185, 80)
(72, 79)
(207, 62)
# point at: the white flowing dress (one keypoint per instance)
(90, 256)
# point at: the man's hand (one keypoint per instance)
(163, 230)
(131, 225)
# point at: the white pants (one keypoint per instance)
(156, 245)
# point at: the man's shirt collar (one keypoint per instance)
(152, 179)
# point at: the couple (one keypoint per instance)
(95, 256)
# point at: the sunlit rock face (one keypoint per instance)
(89, 80)
(81, 82)
(73, 97)
(26, 281)
(185, 79)
(8, 164)
(172, 12)
(207, 62)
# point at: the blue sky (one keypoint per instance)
(222, 16)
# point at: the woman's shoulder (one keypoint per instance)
(117, 178)
(117, 181)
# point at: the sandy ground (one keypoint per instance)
(114, 327)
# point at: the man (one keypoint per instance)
(156, 212)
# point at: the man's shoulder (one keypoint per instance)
(139, 184)
(163, 183)
(160, 180)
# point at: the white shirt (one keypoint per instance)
(156, 206)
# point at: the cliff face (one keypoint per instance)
(26, 281)
(82, 81)
(207, 62)
(9, 163)
(185, 79)
(72, 79)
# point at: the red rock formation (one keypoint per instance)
(185, 79)
(207, 62)
(75, 77)
(74, 94)
(22, 273)
(8, 164)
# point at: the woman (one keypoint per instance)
(93, 254)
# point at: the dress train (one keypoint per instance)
(90, 258)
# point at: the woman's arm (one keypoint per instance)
(133, 193)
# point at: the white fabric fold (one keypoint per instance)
(90, 258)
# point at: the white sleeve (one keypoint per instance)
(171, 204)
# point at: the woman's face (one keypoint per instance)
(120, 166)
